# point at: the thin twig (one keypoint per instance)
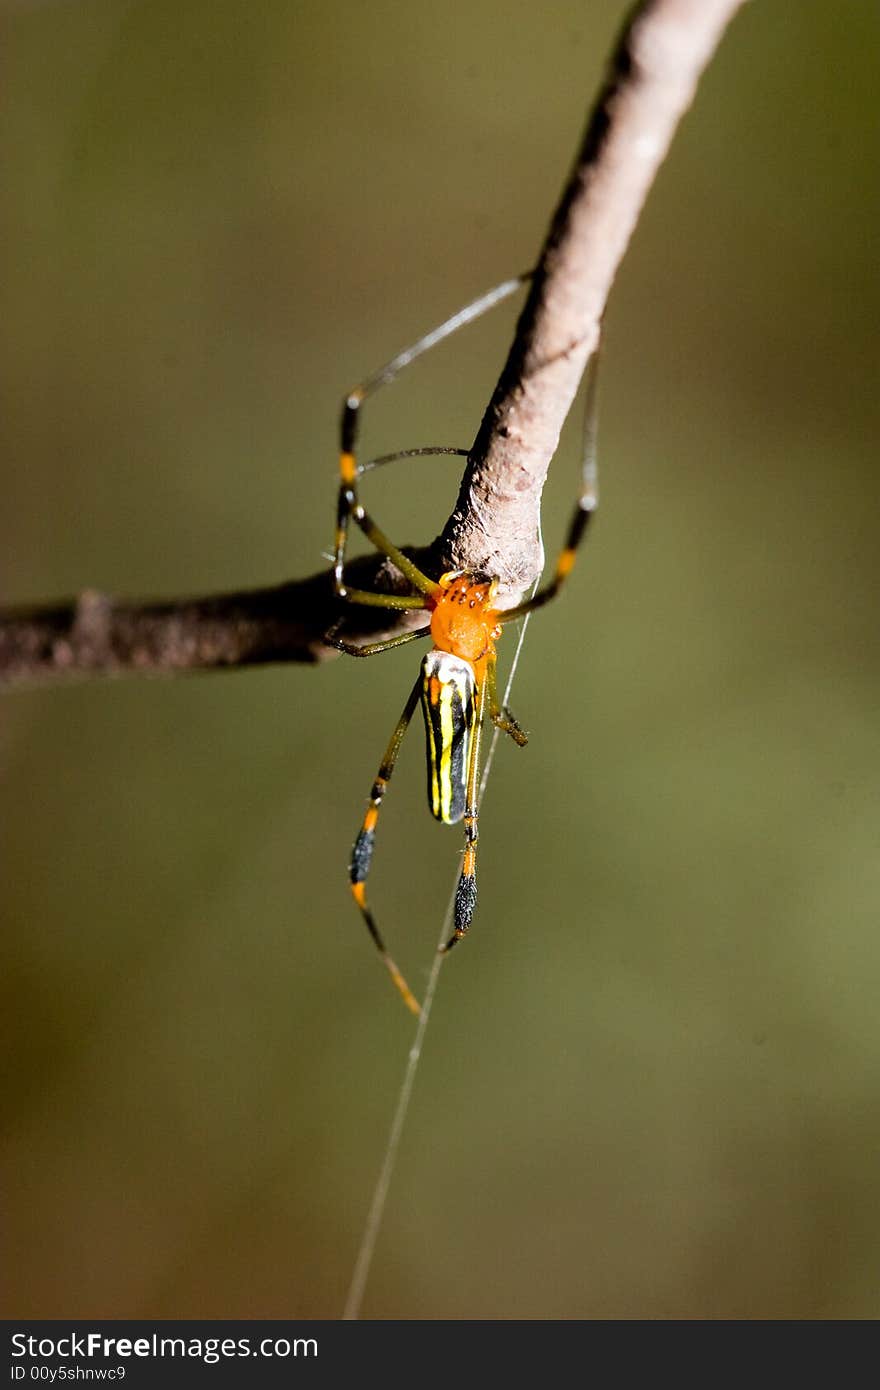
(99, 635)
(663, 49)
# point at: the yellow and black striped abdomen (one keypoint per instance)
(450, 707)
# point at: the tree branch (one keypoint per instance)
(96, 634)
(654, 70)
(652, 76)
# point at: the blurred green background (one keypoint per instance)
(651, 1085)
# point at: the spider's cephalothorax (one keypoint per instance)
(457, 685)
(464, 621)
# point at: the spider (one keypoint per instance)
(456, 685)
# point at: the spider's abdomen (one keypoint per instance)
(449, 705)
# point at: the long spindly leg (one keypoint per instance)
(499, 714)
(586, 504)
(466, 891)
(424, 451)
(372, 648)
(415, 576)
(349, 507)
(362, 853)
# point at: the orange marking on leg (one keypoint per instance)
(359, 893)
(458, 934)
(347, 468)
(565, 564)
(371, 817)
(468, 863)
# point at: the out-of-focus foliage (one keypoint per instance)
(650, 1085)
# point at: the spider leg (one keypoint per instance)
(372, 648)
(362, 852)
(425, 451)
(499, 714)
(349, 507)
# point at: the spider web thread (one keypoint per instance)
(378, 1204)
